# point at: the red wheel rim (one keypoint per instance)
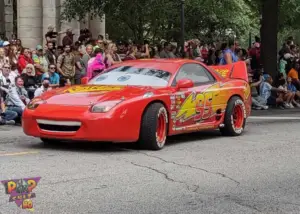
(161, 129)
(238, 117)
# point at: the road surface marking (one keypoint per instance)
(274, 118)
(17, 153)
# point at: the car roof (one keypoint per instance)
(170, 65)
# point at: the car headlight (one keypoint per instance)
(35, 103)
(104, 106)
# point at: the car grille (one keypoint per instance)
(59, 126)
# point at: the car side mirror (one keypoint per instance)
(84, 80)
(185, 83)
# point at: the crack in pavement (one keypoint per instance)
(159, 172)
(190, 166)
(244, 204)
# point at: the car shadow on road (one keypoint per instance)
(94, 147)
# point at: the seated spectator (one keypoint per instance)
(5, 76)
(293, 73)
(52, 75)
(292, 88)
(3, 58)
(258, 102)
(24, 59)
(31, 82)
(288, 96)
(266, 92)
(7, 117)
(63, 82)
(17, 97)
(44, 87)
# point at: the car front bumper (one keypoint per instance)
(79, 124)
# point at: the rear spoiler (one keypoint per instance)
(237, 70)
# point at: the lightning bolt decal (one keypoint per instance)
(187, 109)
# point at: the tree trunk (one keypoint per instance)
(269, 30)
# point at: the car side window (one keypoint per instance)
(196, 72)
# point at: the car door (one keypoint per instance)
(193, 105)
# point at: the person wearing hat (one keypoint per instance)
(6, 45)
(68, 38)
(51, 36)
(40, 61)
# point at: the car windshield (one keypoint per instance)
(131, 75)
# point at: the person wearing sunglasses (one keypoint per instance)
(52, 76)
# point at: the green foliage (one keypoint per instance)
(160, 19)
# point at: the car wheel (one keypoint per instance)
(235, 117)
(49, 141)
(154, 126)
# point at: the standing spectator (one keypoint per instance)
(112, 57)
(229, 55)
(96, 64)
(51, 36)
(68, 38)
(166, 52)
(50, 54)
(3, 57)
(66, 64)
(17, 97)
(44, 88)
(40, 62)
(52, 75)
(87, 55)
(131, 53)
(24, 59)
(80, 70)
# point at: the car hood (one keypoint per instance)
(91, 94)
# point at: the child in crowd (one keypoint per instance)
(288, 96)
(292, 88)
(266, 89)
(258, 102)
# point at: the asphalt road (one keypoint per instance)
(198, 173)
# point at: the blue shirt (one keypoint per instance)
(291, 87)
(233, 56)
(265, 90)
(54, 78)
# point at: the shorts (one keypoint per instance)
(271, 101)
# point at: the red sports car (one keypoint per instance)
(144, 101)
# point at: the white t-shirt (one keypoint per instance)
(265, 90)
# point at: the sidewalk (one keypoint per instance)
(277, 112)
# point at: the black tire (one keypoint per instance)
(149, 137)
(50, 141)
(229, 128)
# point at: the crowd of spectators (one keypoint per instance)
(26, 73)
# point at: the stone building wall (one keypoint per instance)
(34, 17)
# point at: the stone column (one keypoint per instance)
(49, 16)
(30, 22)
(8, 18)
(97, 26)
